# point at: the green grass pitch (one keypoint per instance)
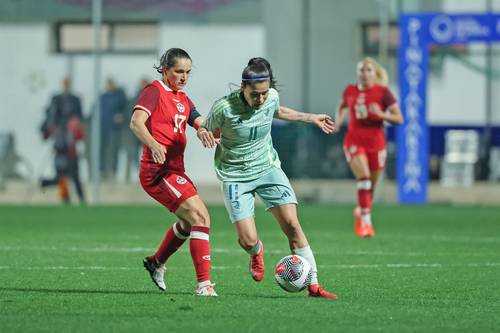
(79, 269)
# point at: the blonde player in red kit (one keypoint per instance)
(369, 103)
(159, 121)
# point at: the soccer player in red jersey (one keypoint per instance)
(159, 122)
(369, 103)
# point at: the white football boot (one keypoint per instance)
(157, 272)
(207, 290)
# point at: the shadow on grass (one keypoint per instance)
(264, 296)
(290, 297)
(92, 291)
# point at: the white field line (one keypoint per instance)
(92, 268)
(355, 266)
(116, 249)
(439, 238)
(235, 251)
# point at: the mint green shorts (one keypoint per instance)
(273, 188)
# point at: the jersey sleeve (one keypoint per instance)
(215, 117)
(193, 113)
(148, 99)
(388, 98)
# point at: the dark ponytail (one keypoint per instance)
(256, 72)
(260, 60)
(169, 58)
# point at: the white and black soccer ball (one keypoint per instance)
(293, 273)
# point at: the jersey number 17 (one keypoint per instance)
(179, 119)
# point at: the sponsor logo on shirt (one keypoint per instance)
(181, 180)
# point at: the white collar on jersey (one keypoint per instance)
(361, 88)
(167, 88)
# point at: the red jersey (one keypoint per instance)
(365, 128)
(169, 112)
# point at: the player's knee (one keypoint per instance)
(199, 218)
(364, 183)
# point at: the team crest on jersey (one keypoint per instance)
(180, 107)
(181, 180)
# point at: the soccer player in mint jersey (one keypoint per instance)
(159, 121)
(369, 103)
(246, 163)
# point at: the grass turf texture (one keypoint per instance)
(429, 268)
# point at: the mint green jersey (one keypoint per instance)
(245, 151)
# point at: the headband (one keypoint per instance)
(258, 78)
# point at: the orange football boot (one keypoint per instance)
(362, 230)
(357, 221)
(256, 266)
(368, 230)
(315, 290)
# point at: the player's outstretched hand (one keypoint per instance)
(159, 152)
(206, 137)
(376, 112)
(325, 123)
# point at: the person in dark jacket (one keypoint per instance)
(63, 124)
(113, 105)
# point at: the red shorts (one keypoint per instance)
(170, 189)
(376, 158)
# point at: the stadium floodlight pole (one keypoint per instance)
(96, 119)
(383, 46)
(303, 153)
(486, 138)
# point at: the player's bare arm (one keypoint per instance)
(323, 121)
(197, 122)
(138, 127)
(392, 115)
(339, 117)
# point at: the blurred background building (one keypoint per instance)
(313, 46)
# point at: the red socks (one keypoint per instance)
(199, 246)
(173, 240)
(200, 252)
(364, 186)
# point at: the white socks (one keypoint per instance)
(254, 250)
(307, 254)
(366, 218)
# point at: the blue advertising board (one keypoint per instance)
(417, 32)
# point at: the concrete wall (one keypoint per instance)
(31, 74)
(312, 58)
(456, 94)
(327, 60)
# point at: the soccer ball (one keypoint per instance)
(293, 273)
